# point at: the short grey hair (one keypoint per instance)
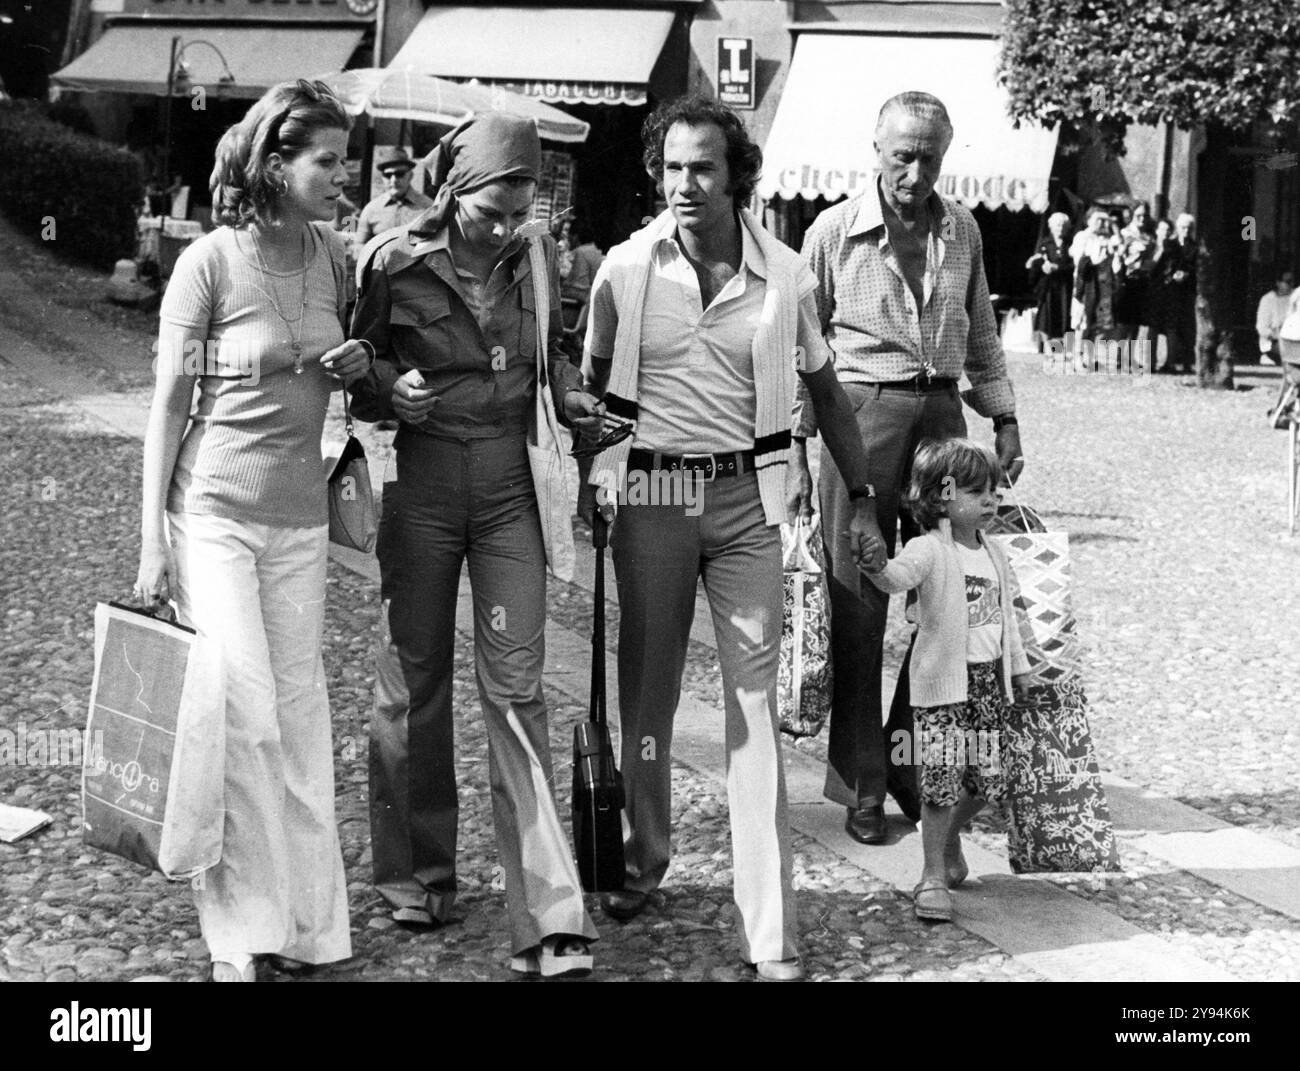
(1185, 216)
(1058, 216)
(923, 106)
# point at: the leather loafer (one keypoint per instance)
(623, 905)
(866, 824)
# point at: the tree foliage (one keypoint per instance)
(1110, 63)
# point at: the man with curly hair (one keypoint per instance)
(698, 326)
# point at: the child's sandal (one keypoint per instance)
(932, 901)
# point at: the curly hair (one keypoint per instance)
(283, 122)
(744, 158)
(938, 468)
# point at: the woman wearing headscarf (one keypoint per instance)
(1052, 271)
(447, 304)
(235, 515)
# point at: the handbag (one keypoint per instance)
(598, 797)
(546, 449)
(153, 775)
(352, 501)
(1058, 816)
(804, 673)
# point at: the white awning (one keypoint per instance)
(560, 54)
(821, 139)
(134, 58)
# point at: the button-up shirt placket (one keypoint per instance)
(925, 317)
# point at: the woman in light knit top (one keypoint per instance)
(252, 316)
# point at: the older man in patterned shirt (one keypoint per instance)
(904, 304)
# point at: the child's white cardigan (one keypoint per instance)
(932, 563)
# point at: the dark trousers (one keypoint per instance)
(892, 424)
(467, 501)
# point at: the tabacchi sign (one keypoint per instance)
(736, 71)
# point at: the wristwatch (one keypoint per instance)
(863, 490)
(1000, 422)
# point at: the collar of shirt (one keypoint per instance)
(751, 254)
(870, 218)
(479, 296)
(871, 214)
(422, 246)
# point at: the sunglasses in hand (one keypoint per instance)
(613, 430)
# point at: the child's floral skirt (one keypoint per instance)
(960, 744)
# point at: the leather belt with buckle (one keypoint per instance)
(919, 385)
(709, 466)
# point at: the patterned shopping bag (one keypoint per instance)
(1059, 820)
(803, 686)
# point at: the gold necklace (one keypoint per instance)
(295, 338)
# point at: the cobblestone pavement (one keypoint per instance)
(1185, 587)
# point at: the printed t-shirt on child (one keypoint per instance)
(983, 605)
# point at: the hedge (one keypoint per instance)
(87, 189)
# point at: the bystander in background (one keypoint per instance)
(1051, 269)
(1137, 253)
(1271, 314)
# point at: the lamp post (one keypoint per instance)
(177, 75)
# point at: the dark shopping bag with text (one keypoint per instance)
(153, 780)
(598, 798)
(804, 672)
(1058, 819)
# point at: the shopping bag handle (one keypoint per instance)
(1010, 490)
(162, 610)
(347, 413)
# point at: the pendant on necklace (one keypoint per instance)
(296, 348)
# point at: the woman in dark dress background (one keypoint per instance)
(1051, 269)
(1132, 311)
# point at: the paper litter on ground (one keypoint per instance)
(18, 822)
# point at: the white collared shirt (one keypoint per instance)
(696, 389)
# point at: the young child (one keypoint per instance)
(967, 650)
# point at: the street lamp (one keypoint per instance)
(177, 76)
